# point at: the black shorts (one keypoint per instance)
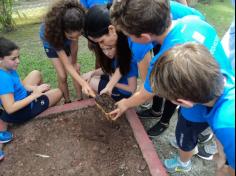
(187, 133)
(51, 52)
(27, 113)
(116, 94)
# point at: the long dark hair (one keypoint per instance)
(64, 16)
(97, 21)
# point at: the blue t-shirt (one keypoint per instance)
(10, 83)
(192, 29)
(139, 50)
(46, 44)
(179, 10)
(90, 3)
(221, 119)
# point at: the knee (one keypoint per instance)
(37, 74)
(62, 78)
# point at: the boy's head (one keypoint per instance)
(187, 73)
(137, 17)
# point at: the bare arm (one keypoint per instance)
(112, 83)
(131, 87)
(74, 51)
(138, 98)
(143, 66)
(71, 70)
(183, 2)
(11, 106)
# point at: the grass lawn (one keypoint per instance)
(219, 14)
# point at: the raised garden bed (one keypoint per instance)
(80, 143)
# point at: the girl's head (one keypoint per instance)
(98, 26)
(9, 54)
(64, 21)
(110, 43)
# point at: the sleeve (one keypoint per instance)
(179, 10)
(139, 50)
(147, 83)
(226, 136)
(6, 85)
(133, 70)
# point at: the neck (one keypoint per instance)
(211, 103)
(160, 38)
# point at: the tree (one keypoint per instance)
(6, 10)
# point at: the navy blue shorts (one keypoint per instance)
(29, 112)
(116, 94)
(51, 52)
(187, 133)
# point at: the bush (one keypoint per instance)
(6, 10)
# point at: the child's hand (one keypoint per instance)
(39, 90)
(77, 67)
(106, 90)
(86, 89)
(121, 108)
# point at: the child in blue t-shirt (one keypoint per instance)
(176, 76)
(20, 101)
(60, 33)
(160, 107)
(90, 3)
(156, 25)
(118, 56)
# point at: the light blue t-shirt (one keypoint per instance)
(46, 44)
(10, 83)
(90, 3)
(139, 50)
(179, 10)
(192, 29)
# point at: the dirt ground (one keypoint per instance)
(73, 144)
(165, 150)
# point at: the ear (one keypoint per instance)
(146, 37)
(111, 29)
(185, 103)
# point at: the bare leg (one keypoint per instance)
(62, 78)
(34, 78)
(185, 156)
(3, 127)
(54, 96)
(94, 82)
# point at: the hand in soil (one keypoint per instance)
(105, 103)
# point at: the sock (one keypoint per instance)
(184, 164)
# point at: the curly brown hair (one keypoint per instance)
(64, 16)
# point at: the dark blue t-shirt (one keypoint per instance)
(10, 83)
(138, 52)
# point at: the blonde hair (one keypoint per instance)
(189, 72)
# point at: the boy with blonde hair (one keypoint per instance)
(188, 75)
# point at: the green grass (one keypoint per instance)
(219, 14)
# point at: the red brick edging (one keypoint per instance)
(148, 150)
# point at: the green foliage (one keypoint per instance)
(6, 10)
